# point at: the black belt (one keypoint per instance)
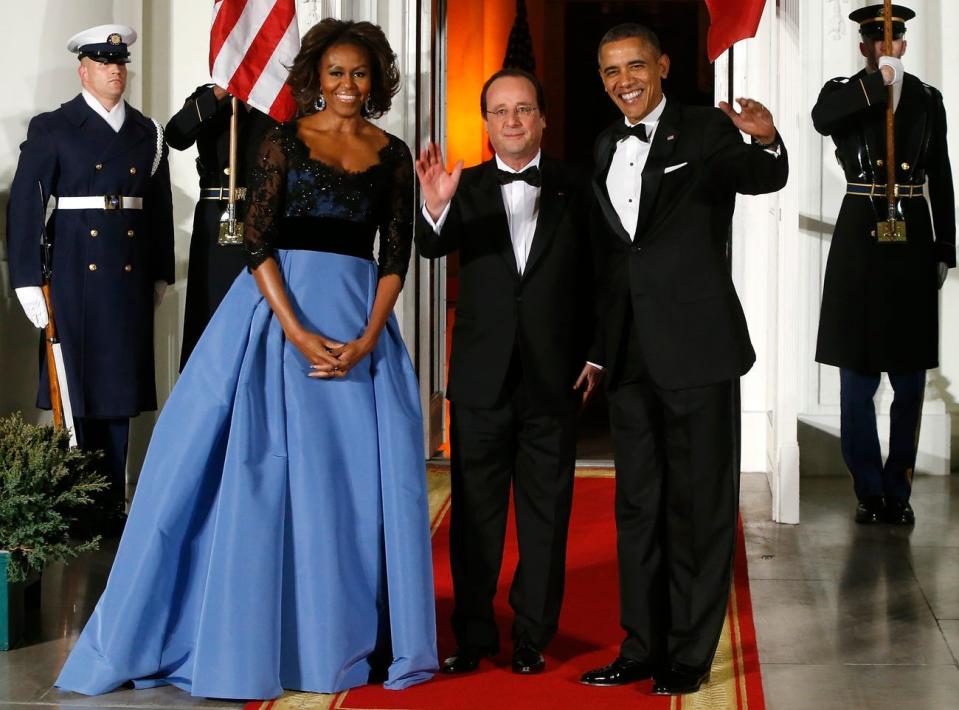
(327, 234)
(221, 193)
(870, 190)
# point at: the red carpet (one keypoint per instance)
(589, 634)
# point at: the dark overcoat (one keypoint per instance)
(880, 307)
(105, 262)
(205, 121)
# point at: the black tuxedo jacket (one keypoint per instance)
(674, 278)
(545, 315)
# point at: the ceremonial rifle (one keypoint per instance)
(56, 371)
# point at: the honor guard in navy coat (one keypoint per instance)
(880, 303)
(112, 237)
(205, 120)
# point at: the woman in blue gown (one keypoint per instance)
(279, 535)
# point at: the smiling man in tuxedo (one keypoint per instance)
(675, 344)
(522, 329)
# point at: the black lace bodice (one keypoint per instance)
(300, 203)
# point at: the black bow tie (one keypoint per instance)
(624, 131)
(530, 175)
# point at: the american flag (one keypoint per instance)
(252, 42)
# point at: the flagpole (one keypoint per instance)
(891, 230)
(730, 77)
(230, 231)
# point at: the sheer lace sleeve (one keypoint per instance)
(266, 198)
(396, 222)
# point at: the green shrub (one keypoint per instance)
(43, 484)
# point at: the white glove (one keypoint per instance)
(896, 65)
(31, 299)
(159, 291)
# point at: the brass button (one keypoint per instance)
(904, 166)
(226, 171)
(133, 171)
(93, 232)
(98, 166)
(92, 267)
(128, 267)
(872, 233)
(879, 163)
(130, 232)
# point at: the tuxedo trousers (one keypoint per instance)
(677, 499)
(512, 443)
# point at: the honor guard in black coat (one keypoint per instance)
(112, 244)
(880, 304)
(205, 120)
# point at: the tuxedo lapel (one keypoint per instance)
(664, 142)
(606, 148)
(552, 204)
(489, 199)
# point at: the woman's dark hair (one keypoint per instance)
(304, 77)
(522, 74)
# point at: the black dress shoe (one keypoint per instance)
(527, 660)
(620, 672)
(677, 681)
(463, 660)
(899, 512)
(871, 510)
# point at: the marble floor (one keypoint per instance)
(847, 617)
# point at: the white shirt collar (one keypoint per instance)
(651, 119)
(531, 164)
(115, 117)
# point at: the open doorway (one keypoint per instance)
(565, 35)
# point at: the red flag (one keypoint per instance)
(252, 42)
(731, 21)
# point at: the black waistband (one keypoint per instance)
(326, 234)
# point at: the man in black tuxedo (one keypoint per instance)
(675, 345)
(522, 329)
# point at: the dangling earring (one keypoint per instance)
(319, 104)
(368, 104)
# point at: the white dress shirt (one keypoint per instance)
(624, 182)
(521, 202)
(114, 117)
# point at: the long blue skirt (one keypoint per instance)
(279, 534)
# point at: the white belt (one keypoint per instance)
(100, 202)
